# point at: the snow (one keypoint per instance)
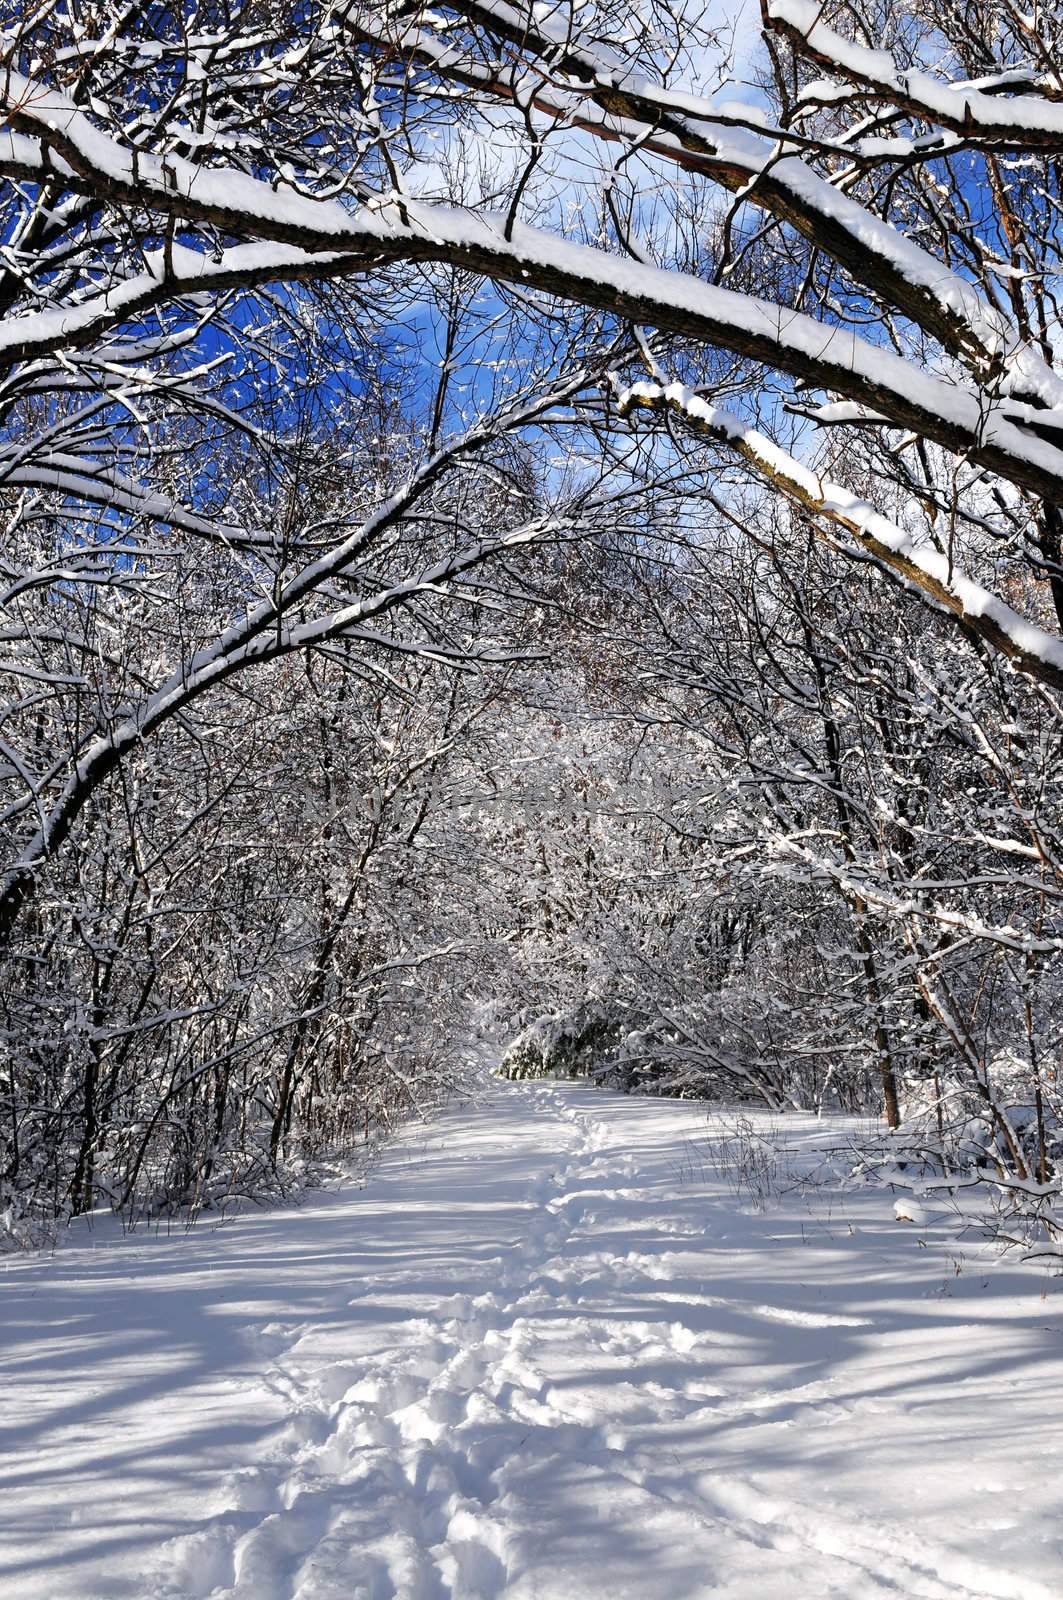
(704, 126)
(856, 514)
(550, 1350)
(770, 332)
(964, 102)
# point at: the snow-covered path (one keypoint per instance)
(544, 1353)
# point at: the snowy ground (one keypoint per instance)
(544, 1353)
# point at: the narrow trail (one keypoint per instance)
(546, 1353)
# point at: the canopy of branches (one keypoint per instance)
(554, 504)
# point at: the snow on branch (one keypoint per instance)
(268, 630)
(382, 229)
(1017, 122)
(603, 95)
(1032, 648)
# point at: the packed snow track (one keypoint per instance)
(552, 1349)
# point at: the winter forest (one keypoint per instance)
(532, 577)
